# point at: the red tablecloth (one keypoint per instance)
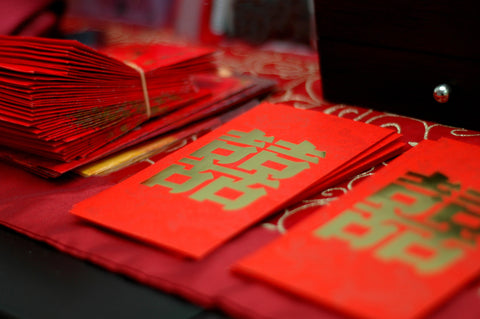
(39, 208)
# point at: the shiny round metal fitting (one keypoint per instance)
(441, 93)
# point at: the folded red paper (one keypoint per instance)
(195, 199)
(395, 247)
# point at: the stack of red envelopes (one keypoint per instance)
(62, 100)
(195, 199)
(63, 104)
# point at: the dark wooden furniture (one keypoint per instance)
(390, 56)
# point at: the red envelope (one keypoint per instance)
(395, 247)
(195, 199)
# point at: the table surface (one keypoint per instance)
(39, 281)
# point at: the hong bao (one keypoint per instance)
(426, 222)
(237, 168)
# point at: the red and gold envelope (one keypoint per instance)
(395, 247)
(197, 198)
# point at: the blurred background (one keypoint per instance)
(206, 21)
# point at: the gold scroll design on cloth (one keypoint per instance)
(237, 169)
(426, 222)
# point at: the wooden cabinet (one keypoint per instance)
(391, 55)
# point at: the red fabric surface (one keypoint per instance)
(39, 208)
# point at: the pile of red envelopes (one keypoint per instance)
(63, 102)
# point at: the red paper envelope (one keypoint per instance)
(154, 57)
(395, 247)
(197, 198)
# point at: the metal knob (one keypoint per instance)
(441, 93)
